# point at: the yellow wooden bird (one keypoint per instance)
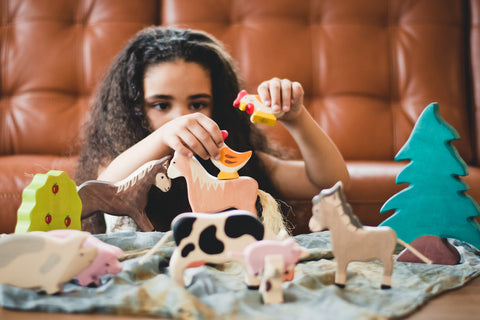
(230, 161)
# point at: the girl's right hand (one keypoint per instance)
(192, 134)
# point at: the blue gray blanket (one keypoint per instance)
(220, 293)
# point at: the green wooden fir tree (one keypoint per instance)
(435, 202)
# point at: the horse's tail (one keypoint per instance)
(167, 236)
(272, 216)
(414, 251)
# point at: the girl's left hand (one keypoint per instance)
(282, 95)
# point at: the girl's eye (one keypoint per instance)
(198, 105)
(161, 105)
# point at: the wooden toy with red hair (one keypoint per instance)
(253, 105)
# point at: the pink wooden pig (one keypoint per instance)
(254, 254)
(106, 261)
(272, 279)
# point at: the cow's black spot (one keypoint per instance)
(182, 228)
(187, 249)
(238, 225)
(208, 241)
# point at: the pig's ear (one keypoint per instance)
(77, 238)
(92, 250)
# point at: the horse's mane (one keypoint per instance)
(137, 175)
(199, 173)
(346, 207)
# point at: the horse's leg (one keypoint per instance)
(341, 273)
(252, 281)
(94, 224)
(141, 219)
(387, 272)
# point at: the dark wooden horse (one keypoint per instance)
(127, 197)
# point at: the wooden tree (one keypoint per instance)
(435, 202)
(49, 202)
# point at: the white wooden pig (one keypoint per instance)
(33, 260)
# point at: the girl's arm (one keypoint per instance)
(323, 163)
(189, 134)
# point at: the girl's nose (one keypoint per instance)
(179, 111)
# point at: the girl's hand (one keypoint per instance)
(192, 134)
(282, 95)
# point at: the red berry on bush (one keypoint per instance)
(67, 221)
(48, 218)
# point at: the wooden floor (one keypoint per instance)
(463, 303)
(460, 304)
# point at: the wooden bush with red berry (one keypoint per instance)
(49, 202)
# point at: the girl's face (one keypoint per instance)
(174, 89)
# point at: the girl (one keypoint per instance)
(172, 90)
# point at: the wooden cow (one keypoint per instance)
(209, 238)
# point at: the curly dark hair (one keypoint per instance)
(117, 118)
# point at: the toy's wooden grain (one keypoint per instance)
(49, 202)
(435, 202)
(127, 197)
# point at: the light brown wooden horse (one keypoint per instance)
(350, 240)
(207, 194)
(127, 197)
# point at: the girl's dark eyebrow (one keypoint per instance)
(159, 96)
(200, 96)
(168, 97)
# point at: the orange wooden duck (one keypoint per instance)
(230, 161)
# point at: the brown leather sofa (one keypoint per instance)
(368, 68)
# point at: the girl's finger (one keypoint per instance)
(211, 127)
(275, 94)
(204, 145)
(190, 141)
(286, 94)
(297, 93)
(177, 145)
(264, 93)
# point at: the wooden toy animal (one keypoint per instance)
(272, 262)
(253, 105)
(208, 238)
(106, 260)
(127, 197)
(254, 254)
(49, 202)
(230, 161)
(272, 279)
(37, 261)
(209, 194)
(350, 240)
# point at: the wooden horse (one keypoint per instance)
(127, 197)
(206, 193)
(350, 240)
